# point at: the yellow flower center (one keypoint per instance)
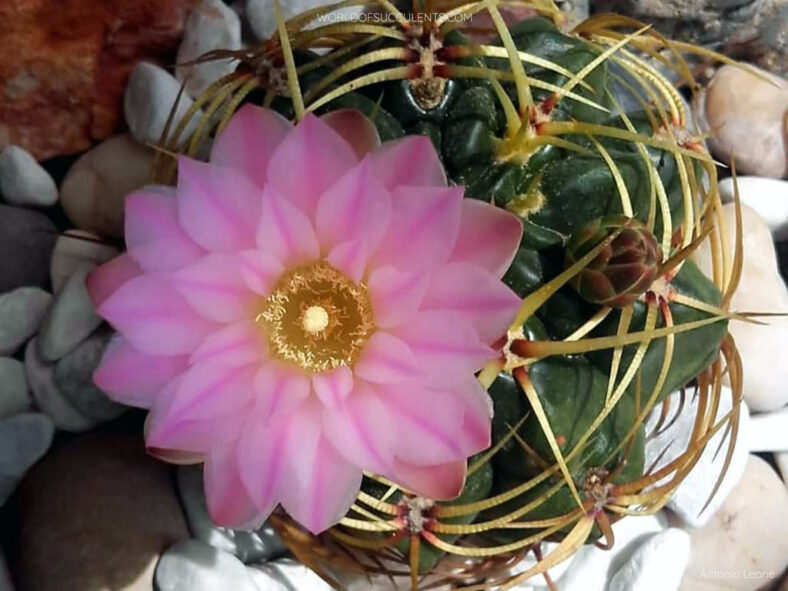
(317, 318)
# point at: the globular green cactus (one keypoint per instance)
(579, 134)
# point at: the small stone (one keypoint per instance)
(24, 438)
(262, 17)
(193, 566)
(41, 377)
(249, 546)
(74, 379)
(150, 96)
(284, 575)
(21, 314)
(591, 567)
(26, 241)
(23, 181)
(14, 393)
(769, 432)
(95, 515)
(761, 289)
(768, 197)
(692, 495)
(70, 320)
(744, 547)
(211, 25)
(657, 565)
(781, 459)
(94, 190)
(745, 114)
(77, 249)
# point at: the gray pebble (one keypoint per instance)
(23, 181)
(24, 438)
(74, 379)
(41, 377)
(27, 238)
(70, 320)
(150, 95)
(193, 566)
(255, 546)
(21, 313)
(14, 393)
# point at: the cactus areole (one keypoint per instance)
(426, 221)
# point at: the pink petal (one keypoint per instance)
(386, 360)
(207, 391)
(441, 482)
(249, 140)
(280, 389)
(214, 286)
(332, 387)
(229, 503)
(321, 485)
(427, 424)
(308, 161)
(477, 419)
(154, 318)
(262, 458)
(217, 206)
(396, 295)
(489, 237)
(411, 161)
(105, 280)
(133, 378)
(238, 344)
(168, 430)
(285, 232)
(424, 226)
(356, 206)
(481, 300)
(260, 270)
(355, 129)
(350, 258)
(361, 430)
(174, 456)
(446, 348)
(154, 235)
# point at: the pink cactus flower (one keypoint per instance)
(308, 305)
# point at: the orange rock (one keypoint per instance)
(64, 66)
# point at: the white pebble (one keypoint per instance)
(21, 313)
(70, 320)
(769, 431)
(768, 197)
(781, 459)
(211, 25)
(284, 575)
(23, 181)
(74, 250)
(591, 567)
(761, 289)
(657, 565)
(150, 95)
(693, 493)
(262, 17)
(745, 546)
